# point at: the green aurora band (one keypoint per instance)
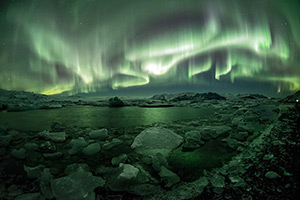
(51, 46)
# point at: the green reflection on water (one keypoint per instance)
(96, 117)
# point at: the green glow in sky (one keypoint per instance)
(86, 46)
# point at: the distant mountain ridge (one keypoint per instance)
(292, 98)
(188, 96)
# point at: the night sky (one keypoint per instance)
(54, 46)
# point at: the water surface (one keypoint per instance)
(97, 117)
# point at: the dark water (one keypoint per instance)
(96, 117)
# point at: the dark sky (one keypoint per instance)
(130, 46)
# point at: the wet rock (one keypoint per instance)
(268, 157)
(14, 190)
(34, 172)
(241, 136)
(52, 156)
(125, 176)
(185, 190)
(5, 140)
(77, 145)
(99, 134)
(144, 189)
(19, 153)
(156, 140)
(237, 120)
(74, 167)
(103, 170)
(212, 132)
(79, 185)
(47, 147)
(192, 136)
(240, 182)
(190, 146)
(218, 181)
(169, 177)
(232, 143)
(91, 149)
(115, 142)
(158, 161)
(272, 175)
(218, 190)
(31, 146)
(45, 185)
(277, 143)
(29, 196)
(53, 136)
(57, 127)
(246, 127)
(119, 159)
(192, 140)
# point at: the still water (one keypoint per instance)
(97, 117)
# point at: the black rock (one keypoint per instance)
(115, 102)
(57, 127)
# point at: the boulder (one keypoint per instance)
(5, 140)
(57, 127)
(272, 175)
(144, 189)
(53, 136)
(115, 142)
(79, 185)
(14, 190)
(99, 134)
(212, 132)
(34, 172)
(77, 145)
(73, 167)
(47, 147)
(156, 140)
(169, 177)
(241, 136)
(52, 156)
(218, 181)
(45, 186)
(31, 146)
(232, 143)
(19, 153)
(192, 140)
(28, 196)
(119, 159)
(123, 178)
(158, 161)
(91, 149)
(193, 136)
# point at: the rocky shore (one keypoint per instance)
(247, 149)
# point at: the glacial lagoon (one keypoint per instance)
(98, 117)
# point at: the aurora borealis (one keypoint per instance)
(54, 46)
